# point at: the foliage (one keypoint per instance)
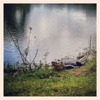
(47, 82)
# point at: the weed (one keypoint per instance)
(73, 82)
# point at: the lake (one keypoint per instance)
(56, 30)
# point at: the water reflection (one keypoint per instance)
(61, 29)
(14, 14)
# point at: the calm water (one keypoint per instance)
(60, 29)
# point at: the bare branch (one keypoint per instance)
(17, 46)
(34, 56)
(26, 51)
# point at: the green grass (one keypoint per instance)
(72, 82)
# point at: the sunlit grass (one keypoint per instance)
(73, 82)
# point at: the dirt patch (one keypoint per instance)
(79, 72)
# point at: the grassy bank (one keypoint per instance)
(70, 82)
